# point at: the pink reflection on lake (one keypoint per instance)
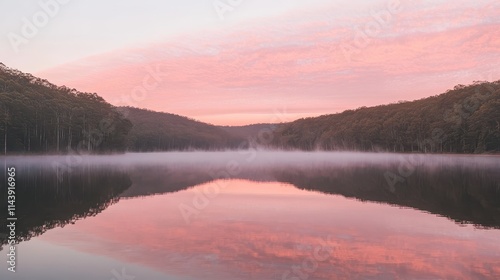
(256, 230)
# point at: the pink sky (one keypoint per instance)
(295, 64)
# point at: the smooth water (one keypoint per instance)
(255, 215)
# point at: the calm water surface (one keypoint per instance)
(256, 215)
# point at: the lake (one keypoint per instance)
(254, 215)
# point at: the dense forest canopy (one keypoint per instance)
(155, 131)
(463, 120)
(39, 117)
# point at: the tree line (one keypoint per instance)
(157, 131)
(39, 117)
(465, 119)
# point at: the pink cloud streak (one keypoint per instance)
(244, 76)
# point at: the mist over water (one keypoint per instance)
(255, 213)
(259, 158)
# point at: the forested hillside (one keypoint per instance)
(251, 131)
(156, 131)
(463, 120)
(39, 117)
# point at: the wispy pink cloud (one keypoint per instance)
(300, 65)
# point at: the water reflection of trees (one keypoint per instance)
(157, 180)
(44, 201)
(463, 194)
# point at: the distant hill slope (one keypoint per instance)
(252, 131)
(463, 120)
(156, 131)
